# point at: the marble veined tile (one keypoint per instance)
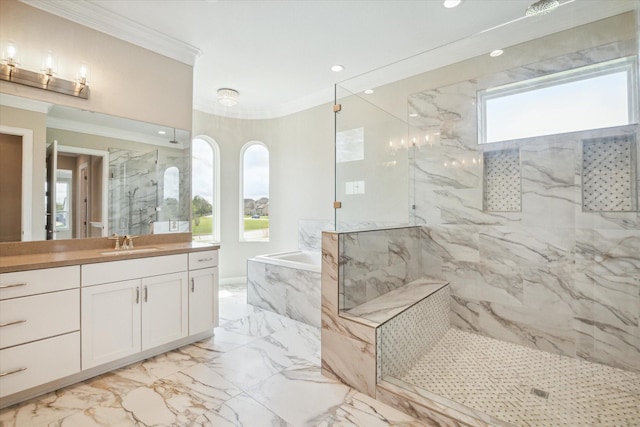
(302, 396)
(100, 416)
(310, 233)
(608, 252)
(148, 407)
(258, 325)
(55, 406)
(388, 305)
(150, 370)
(241, 411)
(361, 410)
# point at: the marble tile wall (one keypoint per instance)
(377, 261)
(310, 233)
(552, 276)
(132, 193)
(291, 292)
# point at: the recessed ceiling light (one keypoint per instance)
(337, 68)
(496, 52)
(368, 91)
(161, 132)
(449, 4)
(413, 115)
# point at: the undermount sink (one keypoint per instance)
(128, 251)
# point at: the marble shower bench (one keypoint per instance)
(384, 336)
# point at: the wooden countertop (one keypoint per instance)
(35, 261)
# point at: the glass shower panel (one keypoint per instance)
(133, 191)
(537, 236)
(372, 165)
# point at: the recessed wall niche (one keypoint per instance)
(608, 176)
(502, 185)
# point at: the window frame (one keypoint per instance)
(627, 64)
(241, 230)
(215, 231)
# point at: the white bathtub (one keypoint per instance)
(309, 261)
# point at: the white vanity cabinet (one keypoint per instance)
(39, 327)
(203, 291)
(131, 306)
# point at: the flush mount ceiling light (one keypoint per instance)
(542, 7)
(368, 91)
(449, 4)
(337, 68)
(228, 97)
(495, 53)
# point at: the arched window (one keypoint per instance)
(254, 190)
(205, 189)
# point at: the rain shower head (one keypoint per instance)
(542, 7)
(174, 140)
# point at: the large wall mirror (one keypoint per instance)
(67, 173)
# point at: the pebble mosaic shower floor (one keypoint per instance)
(505, 381)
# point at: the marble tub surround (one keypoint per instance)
(200, 384)
(21, 256)
(291, 292)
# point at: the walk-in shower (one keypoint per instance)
(520, 177)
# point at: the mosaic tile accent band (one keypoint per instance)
(607, 182)
(502, 189)
(405, 338)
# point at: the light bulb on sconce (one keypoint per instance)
(9, 55)
(49, 64)
(84, 74)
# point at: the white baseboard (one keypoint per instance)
(233, 280)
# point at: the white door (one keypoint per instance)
(52, 169)
(164, 309)
(110, 322)
(203, 300)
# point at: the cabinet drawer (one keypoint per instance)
(116, 271)
(39, 316)
(23, 283)
(205, 259)
(39, 362)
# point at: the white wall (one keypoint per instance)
(301, 178)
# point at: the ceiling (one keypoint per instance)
(278, 54)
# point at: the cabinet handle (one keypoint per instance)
(137, 294)
(193, 284)
(146, 294)
(205, 259)
(12, 286)
(15, 371)
(2, 325)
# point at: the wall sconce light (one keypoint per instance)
(46, 79)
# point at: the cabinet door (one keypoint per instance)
(164, 309)
(203, 300)
(110, 322)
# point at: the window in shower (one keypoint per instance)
(254, 188)
(591, 97)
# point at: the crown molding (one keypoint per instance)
(98, 18)
(24, 103)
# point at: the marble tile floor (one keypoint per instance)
(260, 369)
(497, 378)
